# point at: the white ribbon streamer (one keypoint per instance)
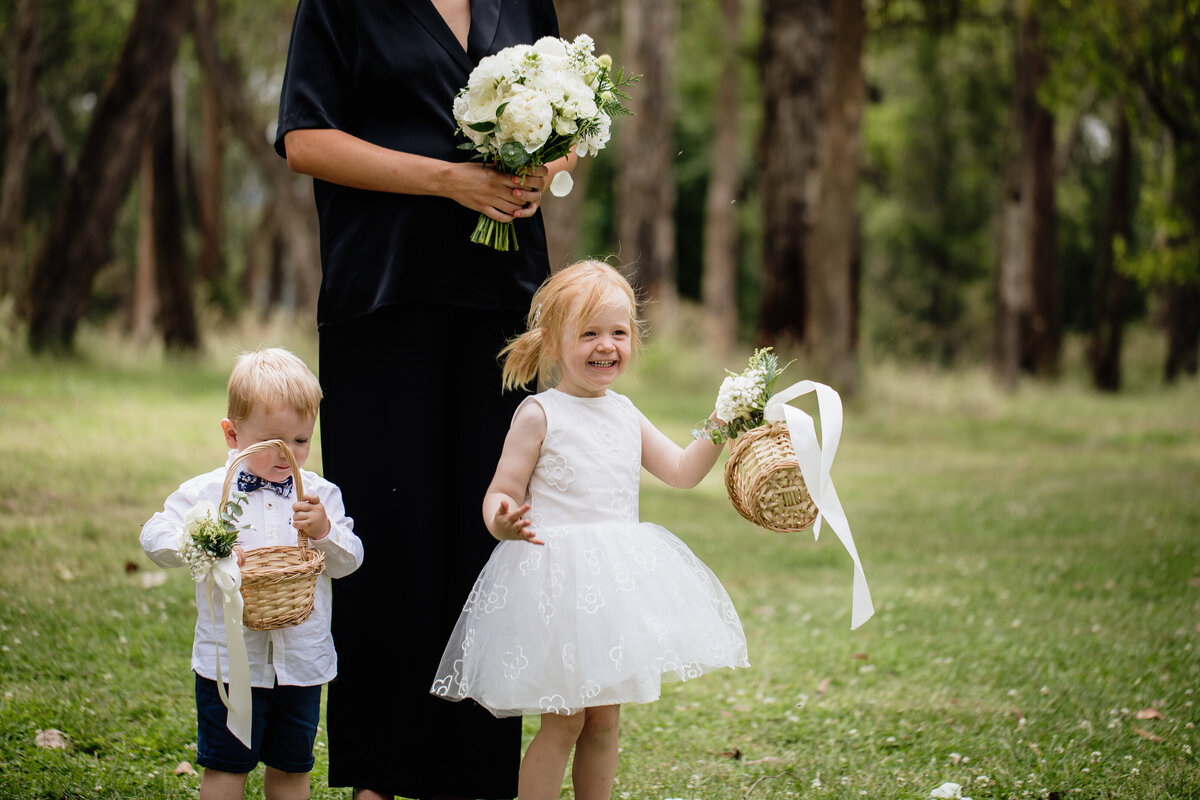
(815, 465)
(228, 578)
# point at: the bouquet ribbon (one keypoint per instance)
(815, 463)
(228, 578)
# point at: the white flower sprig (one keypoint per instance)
(529, 105)
(742, 398)
(209, 536)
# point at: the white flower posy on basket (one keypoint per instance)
(209, 535)
(777, 475)
(529, 105)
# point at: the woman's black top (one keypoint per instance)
(387, 71)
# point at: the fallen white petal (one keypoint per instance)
(562, 184)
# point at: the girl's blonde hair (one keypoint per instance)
(573, 294)
(271, 379)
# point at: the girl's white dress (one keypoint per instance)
(609, 607)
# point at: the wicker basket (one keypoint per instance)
(278, 583)
(764, 482)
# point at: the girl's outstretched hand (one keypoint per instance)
(512, 524)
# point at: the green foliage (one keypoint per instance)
(1143, 54)
(934, 154)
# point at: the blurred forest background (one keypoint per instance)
(939, 181)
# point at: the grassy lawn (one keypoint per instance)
(1034, 560)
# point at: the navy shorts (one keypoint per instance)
(281, 736)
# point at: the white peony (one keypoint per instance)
(526, 119)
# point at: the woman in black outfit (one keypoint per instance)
(411, 315)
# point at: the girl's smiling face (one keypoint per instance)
(593, 358)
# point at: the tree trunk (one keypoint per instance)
(1108, 297)
(291, 195)
(176, 311)
(1182, 300)
(809, 155)
(831, 325)
(210, 266)
(645, 190)
(720, 286)
(1027, 323)
(18, 137)
(144, 305)
(1043, 340)
(1181, 306)
(565, 214)
(792, 57)
(78, 242)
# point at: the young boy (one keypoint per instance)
(272, 395)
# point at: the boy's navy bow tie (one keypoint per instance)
(249, 482)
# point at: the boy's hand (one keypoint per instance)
(240, 555)
(308, 515)
(513, 525)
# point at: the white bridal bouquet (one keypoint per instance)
(529, 105)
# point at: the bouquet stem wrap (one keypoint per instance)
(815, 463)
(228, 579)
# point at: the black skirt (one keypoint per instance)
(412, 425)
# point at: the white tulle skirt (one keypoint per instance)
(601, 614)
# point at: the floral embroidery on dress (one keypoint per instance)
(532, 562)
(606, 437)
(554, 704)
(645, 560)
(617, 653)
(514, 662)
(589, 690)
(624, 578)
(657, 627)
(624, 503)
(590, 599)
(568, 656)
(545, 607)
(595, 559)
(497, 598)
(558, 472)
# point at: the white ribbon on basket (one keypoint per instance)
(228, 578)
(815, 463)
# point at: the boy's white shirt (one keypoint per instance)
(300, 655)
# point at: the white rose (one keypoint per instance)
(204, 508)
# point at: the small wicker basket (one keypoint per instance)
(278, 583)
(762, 477)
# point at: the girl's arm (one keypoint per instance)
(503, 512)
(338, 157)
(681, 467)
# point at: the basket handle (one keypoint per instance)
(258, 447)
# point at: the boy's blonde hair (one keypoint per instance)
(575, 293)
(273, 379)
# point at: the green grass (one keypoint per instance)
(1034, 560)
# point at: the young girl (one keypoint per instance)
(581, 606)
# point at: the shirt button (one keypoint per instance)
(270, 506)
(270, 533)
